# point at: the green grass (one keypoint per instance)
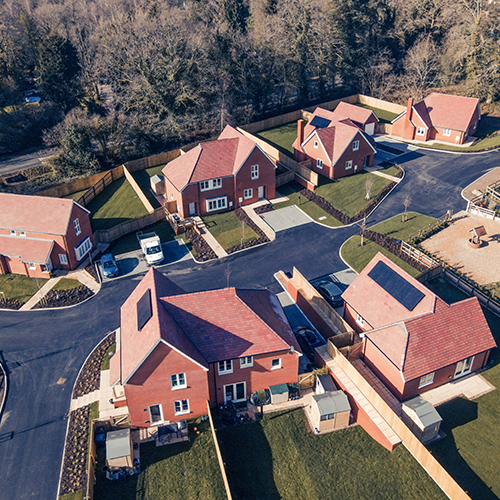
(129, 242)
(383, 115)
(77, 195)
(155, 170)
(277, 458)
(470, 450)
(19, 287)
(358, 257)
(77, 495)
(390, 171)
(307, 206)
(181, 471)
(107, 358)
(93, 414)
(66, 284)
(226, 229)
(347, 194)
(143, 179)
(116, 204)
(281, 137)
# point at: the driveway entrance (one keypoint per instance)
(286, 218)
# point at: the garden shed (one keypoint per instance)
(279, 393)
(330, 410)
(325, 383)
(422, 419)
(119, 449)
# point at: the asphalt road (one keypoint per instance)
(41, 347)
(11, 164)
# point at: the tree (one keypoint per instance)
(370, 182)
(406, 203)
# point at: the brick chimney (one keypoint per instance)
(300, 131)
(409, 129)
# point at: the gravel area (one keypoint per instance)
(451, 245)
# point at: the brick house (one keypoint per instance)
(38, 233)
(219, 175)
(335, 145)
(412, 339)
(177, 350)
(364, 118)
(439, 117)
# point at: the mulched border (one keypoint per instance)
(203, 250)
(64, 298)
(89, 377)
(261, 236)
(10, 304)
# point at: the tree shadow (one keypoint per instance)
(456, 413)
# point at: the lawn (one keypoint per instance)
(226, 228)
(282, 460)
(310, 208)
(116, 204)
(470, 450)
(347, 194)
(383, 115)
(66, 284)
(77, 495)
(129, 242)
(281, 137)
(77, 195)
(181, 471)
(19, 287)
(358, 257)
(107, 357)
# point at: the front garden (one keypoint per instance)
(16, 289)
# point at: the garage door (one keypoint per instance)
(370, 128)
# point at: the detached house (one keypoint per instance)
(39, 233)
(412, 339)
(440, 117)
(177, 350)
(364, 118)
(219, 175)
(335, 144)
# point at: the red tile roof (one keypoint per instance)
(27, 249)
(38, 214)
(450, 111)
(357, 114)
(210, 160)
(421, 110)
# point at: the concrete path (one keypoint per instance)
(40, 294)
(259, 222)
(471, 387)
(211, 241)
(84, 400)
(286, 218)
(386, 176)
(84, 278)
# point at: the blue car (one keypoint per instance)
(109, 266)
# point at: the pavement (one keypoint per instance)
(479, 186)
(286, 218)
(41, 347)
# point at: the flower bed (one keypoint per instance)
(10, 304)
(64, 298)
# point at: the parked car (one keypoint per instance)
(109, 266)
(331, 292)
(312, 338)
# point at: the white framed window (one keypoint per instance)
(216, 203)
(426, 380)
(12, 232)
(464, 367)
(447, 132)
(178, 381)
(355, 145)
(63, 259)
(211, 184)
(275, 363)
(360, 321)
(225, 367)
(22, 233)
(255, 171)
(420, 131)
(319, 163)
(155, 414)
(348, 164)
(181, 407)
(76, 223)
(248, 193)
(235, 392)
(32, 266)
(83, 248)
(316, 144)
(246, 362)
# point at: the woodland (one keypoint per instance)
(122, 79)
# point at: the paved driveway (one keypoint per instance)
(286, 218)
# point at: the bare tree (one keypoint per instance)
(370, 181)
(406, 203)
(362, 232)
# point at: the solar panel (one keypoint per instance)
(320, 122)
(396, 286)
(144, 310)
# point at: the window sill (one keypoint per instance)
(182, 413)
(426, 384)
(276, 368)
(225, 373)
(246, 366)
(179, 387)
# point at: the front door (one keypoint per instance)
(235, 392)
(463, 367)
(192, 209)
(261, 192)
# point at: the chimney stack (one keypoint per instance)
(300, 132)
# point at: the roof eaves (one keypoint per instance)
(398, 117)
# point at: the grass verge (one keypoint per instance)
(470, 450)
(226, 228)
(383, 115)
(282, 137)
(106, 357)
(19, 287)
(77, 495)
(93, 414)
(180, 471)
(282, 460)
(116, 204)
(66, 284)
(358, 257)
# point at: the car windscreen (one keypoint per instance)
(108, 263)
(152, 250)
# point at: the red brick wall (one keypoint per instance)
(314, 153)
(398, 128)
(150, 385)
(72, 240)
(170, 191)
(259, 376)
(15, 266)
(357, 158)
